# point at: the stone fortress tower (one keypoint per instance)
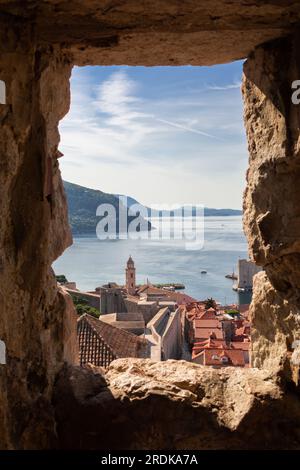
(130, 276)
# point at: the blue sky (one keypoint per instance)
(164, 135)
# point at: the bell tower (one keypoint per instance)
(130, 276)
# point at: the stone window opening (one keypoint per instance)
(66, 152)
(258, 362)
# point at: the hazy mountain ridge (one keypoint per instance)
(208, 211)
(83, 203)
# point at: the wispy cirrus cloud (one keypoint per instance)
(127, 136)
(186, 128)
(116, 98)
(229, 86)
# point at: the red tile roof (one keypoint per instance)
(209, 314)
(197, 310)
(209, 343)
(244, 345)
(223, 357)
(190, 306)
(199, 323)
(178, 297)
(208, 337)
(219, 343)
(100, 343)
(205, 333)
(243, 333)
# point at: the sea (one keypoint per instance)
(91, 262)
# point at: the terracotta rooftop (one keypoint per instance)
(149, 289)
(190, 315)
(200, 323)
(201, 313)
(208, 314)
(221, 357)
(243, 332)
(244, 345)
(209, 343)
(100, 343)
(178, 297)
(198, 310)
(205, 333)
(190, 306)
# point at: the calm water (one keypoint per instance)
(92, 262)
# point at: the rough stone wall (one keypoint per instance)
(141, 404)
(275, 327)
(32, 234)
(156, 32)
(272, 198)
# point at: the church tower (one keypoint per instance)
(130, 276)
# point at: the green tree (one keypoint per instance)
(210, 303)
(232, 312)
(61, 278)
(82, 307)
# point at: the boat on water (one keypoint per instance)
(241, 289)
(170, 288)
(203, 272)
(231, 276)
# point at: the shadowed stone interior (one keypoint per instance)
(46, 400)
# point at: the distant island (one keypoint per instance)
(83, 202)
(208, 212)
